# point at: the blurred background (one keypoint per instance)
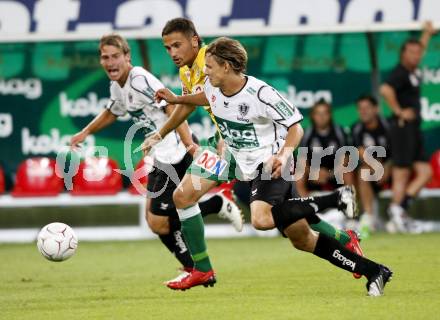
(51, 86)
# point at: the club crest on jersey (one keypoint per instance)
(243, 109)
(130, 98)
(213, 98)
(211, 162)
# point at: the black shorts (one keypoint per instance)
(158, 179)
(406, 143)
(274, 191)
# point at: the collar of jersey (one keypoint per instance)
(238, 90)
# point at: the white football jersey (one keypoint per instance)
(253, 122)
(136, 97)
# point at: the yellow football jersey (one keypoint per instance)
(193, 78)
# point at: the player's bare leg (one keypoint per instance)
(261, 215)
(158, 224)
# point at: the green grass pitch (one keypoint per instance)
(258, 278)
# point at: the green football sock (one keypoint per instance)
(330, 231)
(194, 231)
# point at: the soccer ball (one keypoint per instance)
(57, 241)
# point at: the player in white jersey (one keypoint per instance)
(132, 91)
(260, 130)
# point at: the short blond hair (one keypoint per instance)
(114, 40)
(227, 50)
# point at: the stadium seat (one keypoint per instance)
(97, 176)
(2, 180)
(435, 165)
(434, 183)
(36, 177)
(141, 174)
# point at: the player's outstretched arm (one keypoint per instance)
(183, 130)
(185, 105)
(197, 99)
(102, 120)
(179, 115)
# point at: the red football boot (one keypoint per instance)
(193, 279)
(354, 246)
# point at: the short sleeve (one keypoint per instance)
(115, 104)
(277, 108)
(397, 78)
(146, 85)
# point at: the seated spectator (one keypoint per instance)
(371, 130)
(322, 134)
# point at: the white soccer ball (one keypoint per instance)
(57, 241)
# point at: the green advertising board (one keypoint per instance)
(49, 91)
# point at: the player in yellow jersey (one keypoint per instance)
(185, 48)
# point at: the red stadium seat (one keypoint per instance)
(36, 177)
(434, 183)
(141, 175)
(435, 165)
(97, 176)
(2, 180)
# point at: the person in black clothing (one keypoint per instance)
(402, 93)
(371, 130)
(322, 134)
